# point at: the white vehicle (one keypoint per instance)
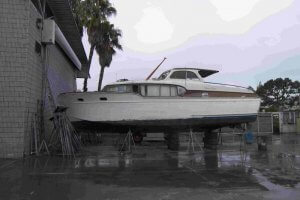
(178, 99)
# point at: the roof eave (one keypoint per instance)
(64, 19)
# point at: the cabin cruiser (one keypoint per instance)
(179, 99)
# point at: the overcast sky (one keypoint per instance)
(247, 40)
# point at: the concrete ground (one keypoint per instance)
(153, 172)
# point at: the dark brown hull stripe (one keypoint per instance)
(198, 93)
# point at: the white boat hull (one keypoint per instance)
(135, 110)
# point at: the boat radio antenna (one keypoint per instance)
(156, 68)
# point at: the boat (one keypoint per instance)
(179, 99)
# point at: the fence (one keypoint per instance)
(289, 121)
(262, 125)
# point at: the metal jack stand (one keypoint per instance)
(127, 140)
(192, 141)
(243, 140)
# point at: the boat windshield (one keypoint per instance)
(164, 75)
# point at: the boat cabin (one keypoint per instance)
(176, 82)
(163, 85)
(167, 85)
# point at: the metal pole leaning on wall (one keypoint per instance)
(258, 124)
(42, 8)
(257, 132)
(272, 123)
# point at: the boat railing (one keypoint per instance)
(227, 85)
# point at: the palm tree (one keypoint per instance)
(90, 14)
(107, 47)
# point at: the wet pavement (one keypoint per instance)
(153, 172)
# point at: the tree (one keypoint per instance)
(279, 92)
(75, 6)
(107, 47)
(91, 14)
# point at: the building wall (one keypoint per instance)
(14, 16)
(298, 125)
(33, 84)
(288, 121)
(21, 76)
(62, 78)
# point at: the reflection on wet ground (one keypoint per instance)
(153, 172)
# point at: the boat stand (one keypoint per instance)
(193, 141)
(127, 142)
(243, 145)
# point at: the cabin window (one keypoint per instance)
(184, 75)
(143, 90)
(110, 89)
(161, 90)
(163, 75)
(165, 91)
(178, 75)
(191, 75)
(180, 91)
(173, 91)
(153, 90)
(135, 88)
(120, 88)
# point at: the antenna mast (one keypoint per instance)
(156, 68)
